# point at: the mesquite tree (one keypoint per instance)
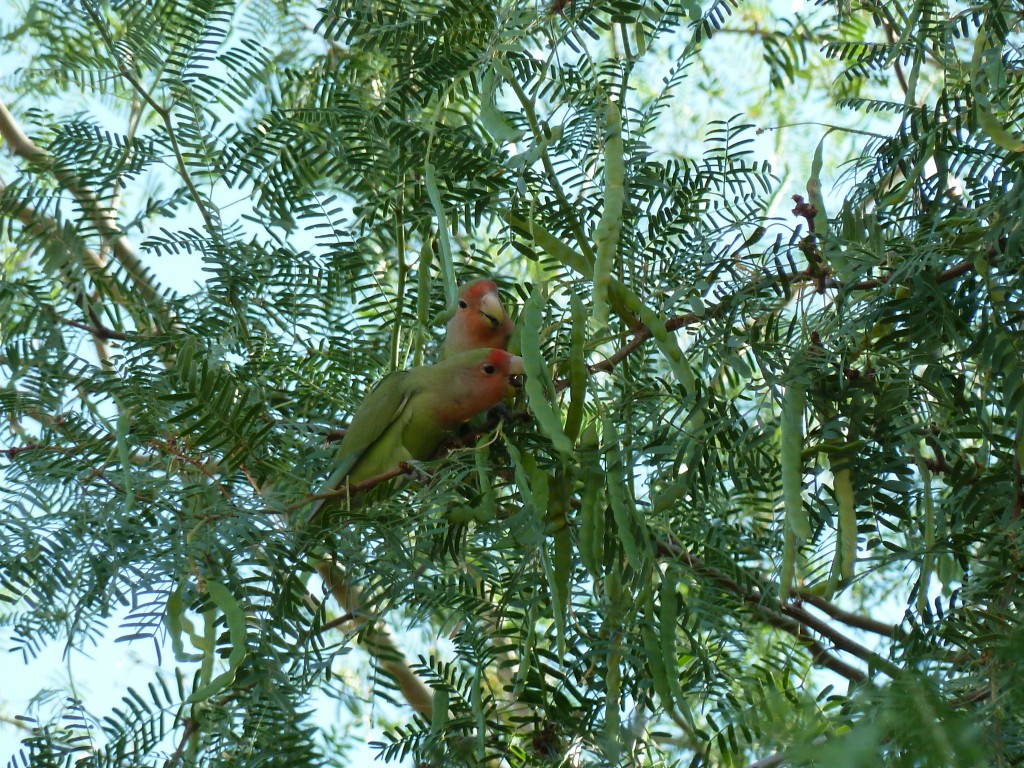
(760, 497)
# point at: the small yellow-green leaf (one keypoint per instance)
(443, 240)
(606, 235)
(842, 486)
(237, 634)
(538, 382)
(792, 441)
(124, 421)
(577, 368)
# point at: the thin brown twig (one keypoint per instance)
(352, 489)
(345, 618)
(643, 333)
(170, 447)
(890, 35)
(819, 654)
(854, 620)
(99, 330)
(789, 624)
(838, 639)
(952, 273)
(772, 761)
(102, 218)
(10, 453)
(377, 639)
(165, 116)
(191, 728)
(972, 696)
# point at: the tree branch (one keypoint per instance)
(353, 489)
(957, 270)
(102, 218)
(191, 728)
(99, 330)
(839, 640)
(642, 333)
(772, 761)
(857, 621)
(95, 264)
(786, 620)
(377, 639)
(165, 116)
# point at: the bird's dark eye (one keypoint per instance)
(463, 304)
(489, 369)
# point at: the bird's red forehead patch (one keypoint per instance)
(498, 357)
(481, 288)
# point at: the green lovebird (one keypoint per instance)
(409, 414)
(479, 322)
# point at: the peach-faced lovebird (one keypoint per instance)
(479, 322)
(410, 413)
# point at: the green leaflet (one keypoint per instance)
(670, 657)
(577, 368)
(796, 525)
(558, 568)
(591, 530)
(177, 623)
(832, 254)
(479, 713)
(235, 618)
(623, 510)
(814, 191)
(653, 648)
(842, 485)
(423, 294)
(985, 113)
(787, 570)
(613, 689)
(792, 443)
(993, 127)
(928, 561)
(615, 597)
(538, 382)
(487, 508)
(439, 712)
(591, 514)
(124, 423)
(1020, 440)
(606, 235)
(443, 240)
(526, 651)
(493, 119)
(549, 496)
(563, 572)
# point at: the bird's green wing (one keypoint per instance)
(379, 410)
(382, 407)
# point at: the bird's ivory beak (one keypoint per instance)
(515, 366)
(491, 308)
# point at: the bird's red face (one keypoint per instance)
(480, 320)
(482, 386)
(495, 371)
